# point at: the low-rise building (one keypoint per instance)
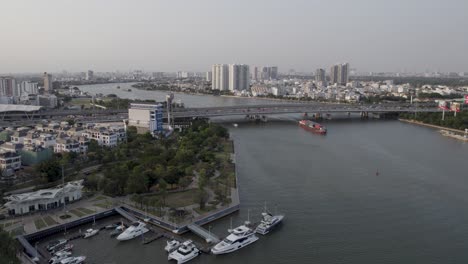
(9, 162)
(67, 145)
(43, 200)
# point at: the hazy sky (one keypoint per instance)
(170, 35)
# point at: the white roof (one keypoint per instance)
(43, 194)
(18, 108)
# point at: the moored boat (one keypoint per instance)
(186, 252)
(134, 230)
(239, 238)
(313, 127)
(171, 245)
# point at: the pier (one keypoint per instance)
(200, 231)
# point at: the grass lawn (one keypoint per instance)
(179, 199)
(77, 213)
(206, 210)
(49, 220)
(39, 223)
(99, 198)
(102, 205)
(86, 210)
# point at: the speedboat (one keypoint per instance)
(59, 256)
(268, 222)
(118, 230)
(66, 247)
(56, 244)
(73, 260)
(186, 252)
(239, 238)
(90, 232)
(172, 245)
(134, 230)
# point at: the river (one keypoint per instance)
(338, 209)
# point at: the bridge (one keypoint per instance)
(113, 115)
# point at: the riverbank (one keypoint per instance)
(411, 121)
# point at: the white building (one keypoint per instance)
(67, 145)
(239, 77)
(49, 101)
(146, 117)
(220, 77)
(28, 87)
(9, 162)
(209, 76)
(42, 200)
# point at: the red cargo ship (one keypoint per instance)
(313, 127)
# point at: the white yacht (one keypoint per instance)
(59, 256)
(186, 252)
(268, 222)
(134, 230)
(172, 245)
(73, 260)
(90, 232)
(239, 238)
(56, 244)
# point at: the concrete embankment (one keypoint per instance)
(429, 125)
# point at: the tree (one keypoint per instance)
(51, 169)
(184, 182)
(8, 248)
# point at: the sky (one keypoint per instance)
(191, 35)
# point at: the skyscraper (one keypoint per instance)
(339, 74)
(209, 76)
(7, 86)
(220, 77)
(89, 75)
(334, 74)
(47, 82)
(268, 73)
(320, 75)
(255, 73)
(239, 77)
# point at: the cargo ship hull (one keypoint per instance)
(313, 127)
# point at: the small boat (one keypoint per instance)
(90, 232)
(73, 260)
(172, 245)
(62, 252)
(239, 238)
(111, 226)
(59, 256)
(56, 244)
(186, 252)
(118, 230)
(66, 247)
(235, 125)
(134, 230)
(268, 222)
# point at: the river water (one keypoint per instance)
(338, 209)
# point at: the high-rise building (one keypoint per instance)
(47, 82)
(343, 74)
(268, 73)
(320, 75)
(89, 75)
(209, 76)
(339, 74)
(334, 74)
(220, 77)
(274, 72)
(239, 77)
(255, 73)
(28, 87)
(7, 86)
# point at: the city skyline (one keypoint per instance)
(375, 36)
